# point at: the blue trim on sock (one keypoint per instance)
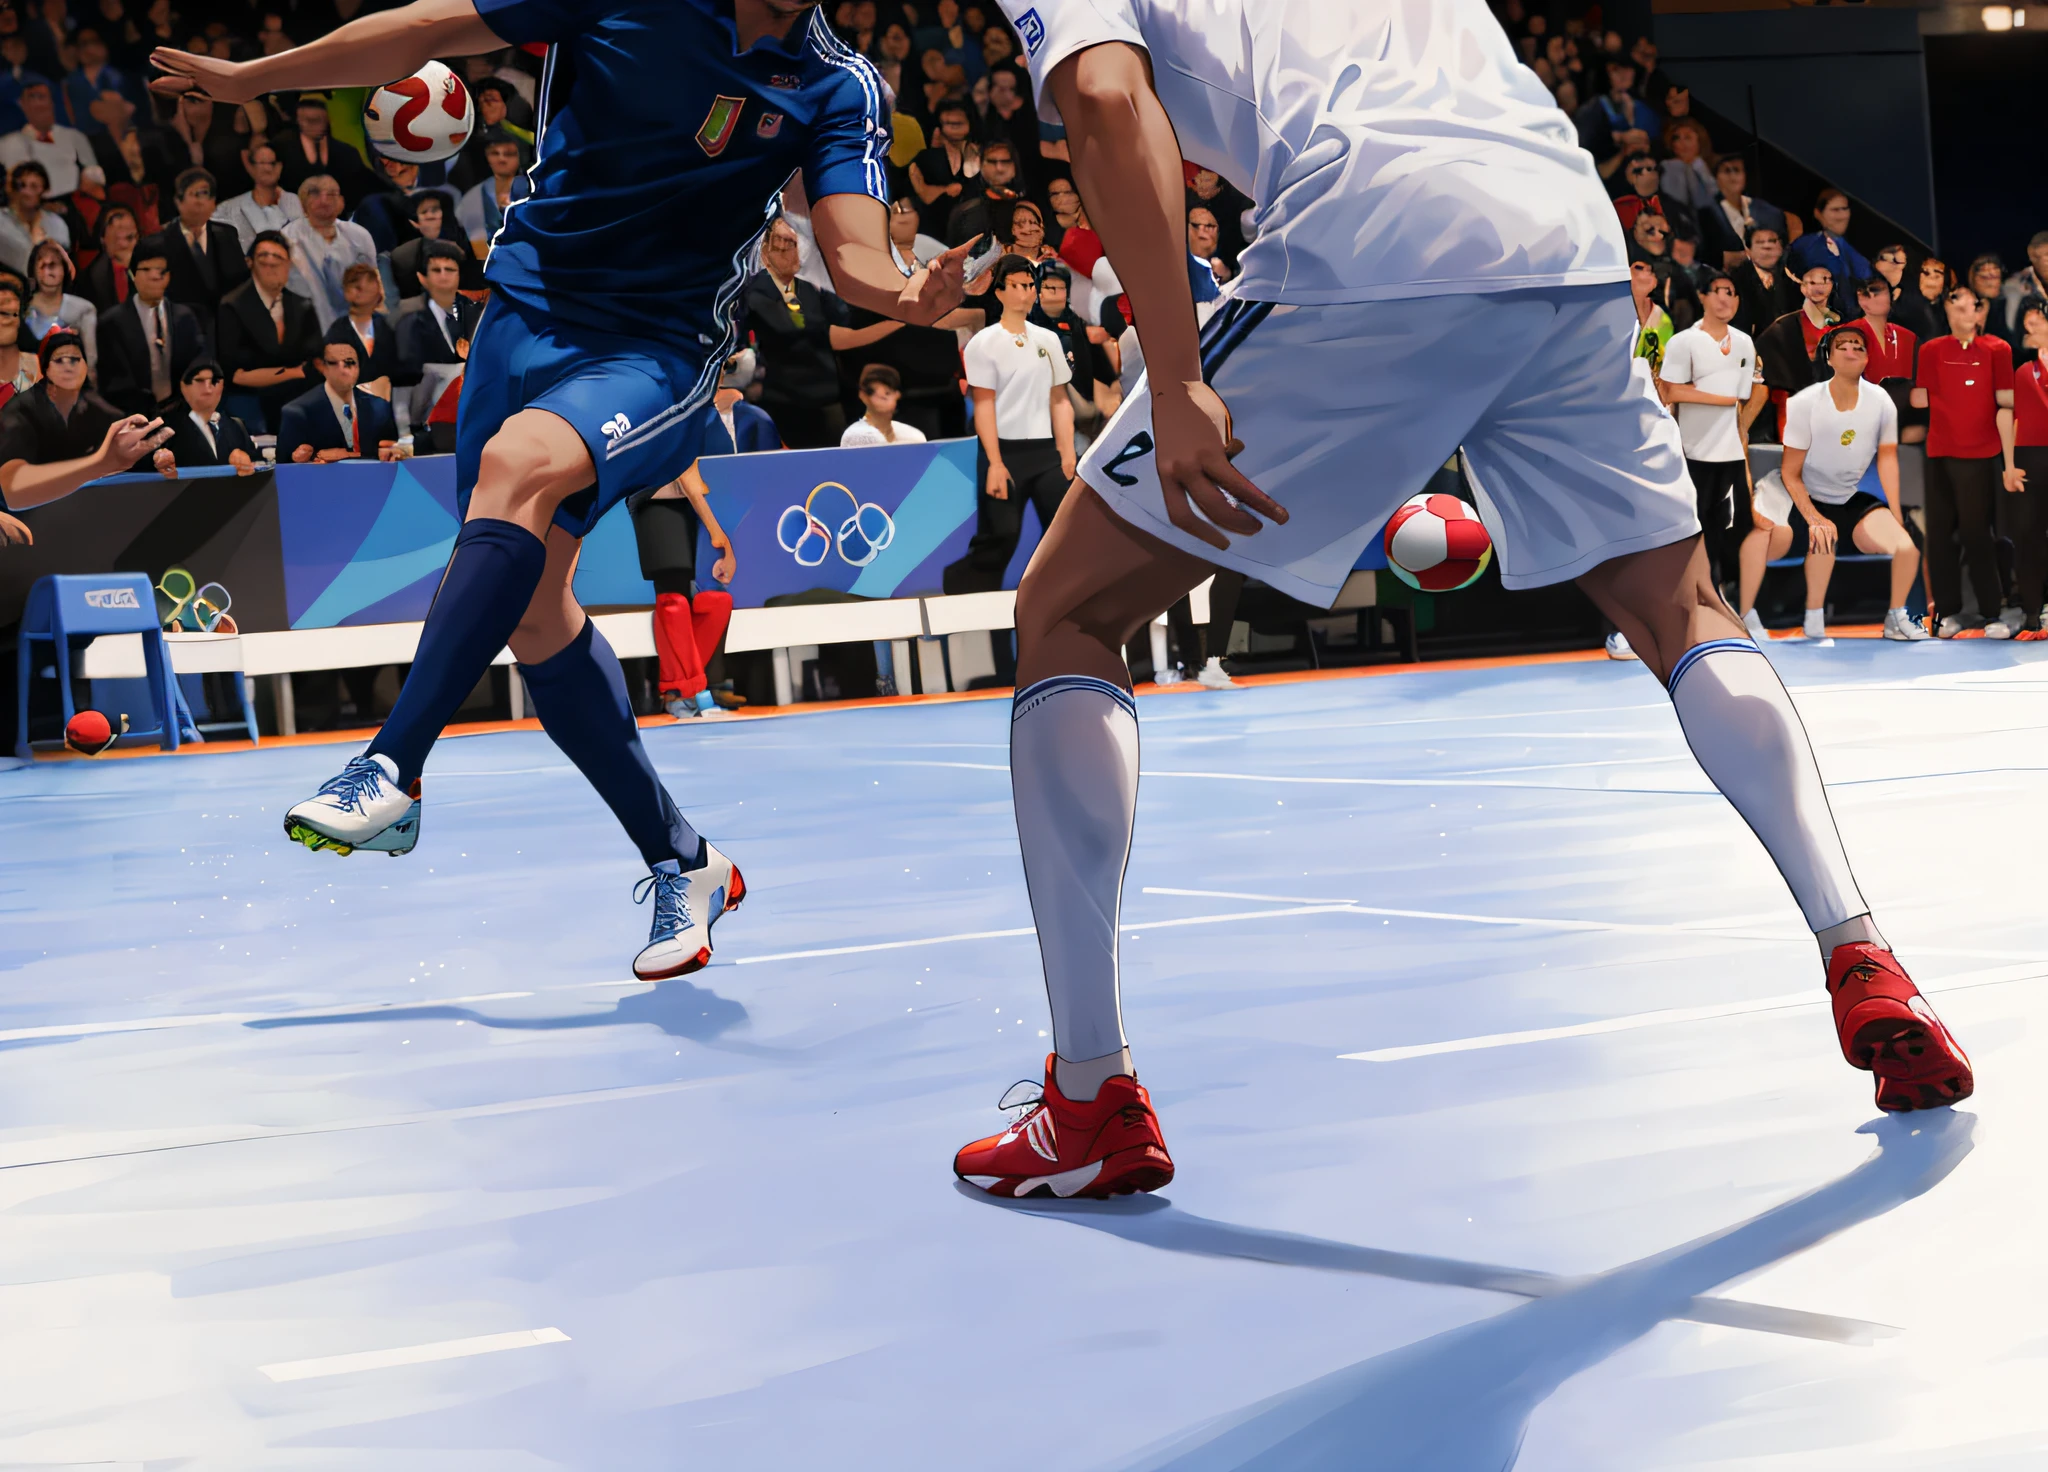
(1699, 652)
(1032, 695)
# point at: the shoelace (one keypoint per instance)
(671, 902)
(359, 779)
(1026, 1103)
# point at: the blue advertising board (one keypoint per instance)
(364, 542)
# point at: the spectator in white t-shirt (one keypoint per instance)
(1018, 373)
(881, 389)
(1712, 381)
(324, 246)
(1833, 433)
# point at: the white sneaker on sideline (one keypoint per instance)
(1213, 676)
(1167, 677)
(1755, 625)
(1998, 628)
(1617, 646)
(2013, 617)
(362, 808)
(1898, 624)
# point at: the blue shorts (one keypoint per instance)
(640, 405)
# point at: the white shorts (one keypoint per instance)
(1347, 410)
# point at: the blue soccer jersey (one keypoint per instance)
(661, 149)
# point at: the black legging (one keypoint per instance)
(2030, 531)
(1960, 496)
(1223, 596)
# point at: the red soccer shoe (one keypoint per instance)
(1887, 1027)
(1108, 1146)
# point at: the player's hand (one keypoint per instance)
(935, 288)
(128, 440)
(1820, 537)
(2015, 480)
(998, 483)
(223, 81)
(16, 532)
(722, 570)
(1193, 455)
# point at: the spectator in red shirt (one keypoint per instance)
(1894, 353)
(2030, 453)
(1640, 170)
(1965, 382)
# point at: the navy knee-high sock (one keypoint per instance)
(491, 577)
(580, 697)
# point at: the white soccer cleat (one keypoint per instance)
(1755, 625)
(362, 808)
(687, 903)
(1898, 624)
(1618, 647)
(1212, 676)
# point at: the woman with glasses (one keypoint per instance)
(60, 434)
(51, 303)
(1919, 306)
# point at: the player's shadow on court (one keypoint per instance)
(676, 1007)
(1460, 1401)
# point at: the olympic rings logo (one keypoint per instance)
(862, 537)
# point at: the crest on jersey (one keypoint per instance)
(1031, 28)
(1848, 437)
(720, 125)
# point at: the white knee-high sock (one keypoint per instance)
(1742, 727)
(1074, 777)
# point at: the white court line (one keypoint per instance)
(1230, 894)
(114, 1144)
(1968, 981)
(208, 1019)
(415, 1354)
(939, 940)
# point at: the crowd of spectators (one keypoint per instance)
(247, 265)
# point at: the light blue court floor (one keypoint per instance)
(1510, 1123)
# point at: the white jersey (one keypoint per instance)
(1839, 447)
(1394, 148)
(1712, 433)
(1022, 371)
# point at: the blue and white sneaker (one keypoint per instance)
(362, 808)
(686, 905)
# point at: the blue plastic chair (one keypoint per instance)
(62, 608)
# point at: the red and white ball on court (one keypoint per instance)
(422, 119)
(1436, 543)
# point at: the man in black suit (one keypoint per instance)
(366, 328)
(268, 334)
(337, 421)
(147, 342)
(206, 258)
(439, 332)
(200, 433)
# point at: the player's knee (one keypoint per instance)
(534, 458)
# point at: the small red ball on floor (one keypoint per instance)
(89, 733)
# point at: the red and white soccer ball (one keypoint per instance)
(421, 120)
(1436, 543)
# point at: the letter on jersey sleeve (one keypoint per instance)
(538, 22)
(1053, 30)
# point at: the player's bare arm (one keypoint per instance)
(367, 52)
(1127, 167)
(127, 440)
(853, 236)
